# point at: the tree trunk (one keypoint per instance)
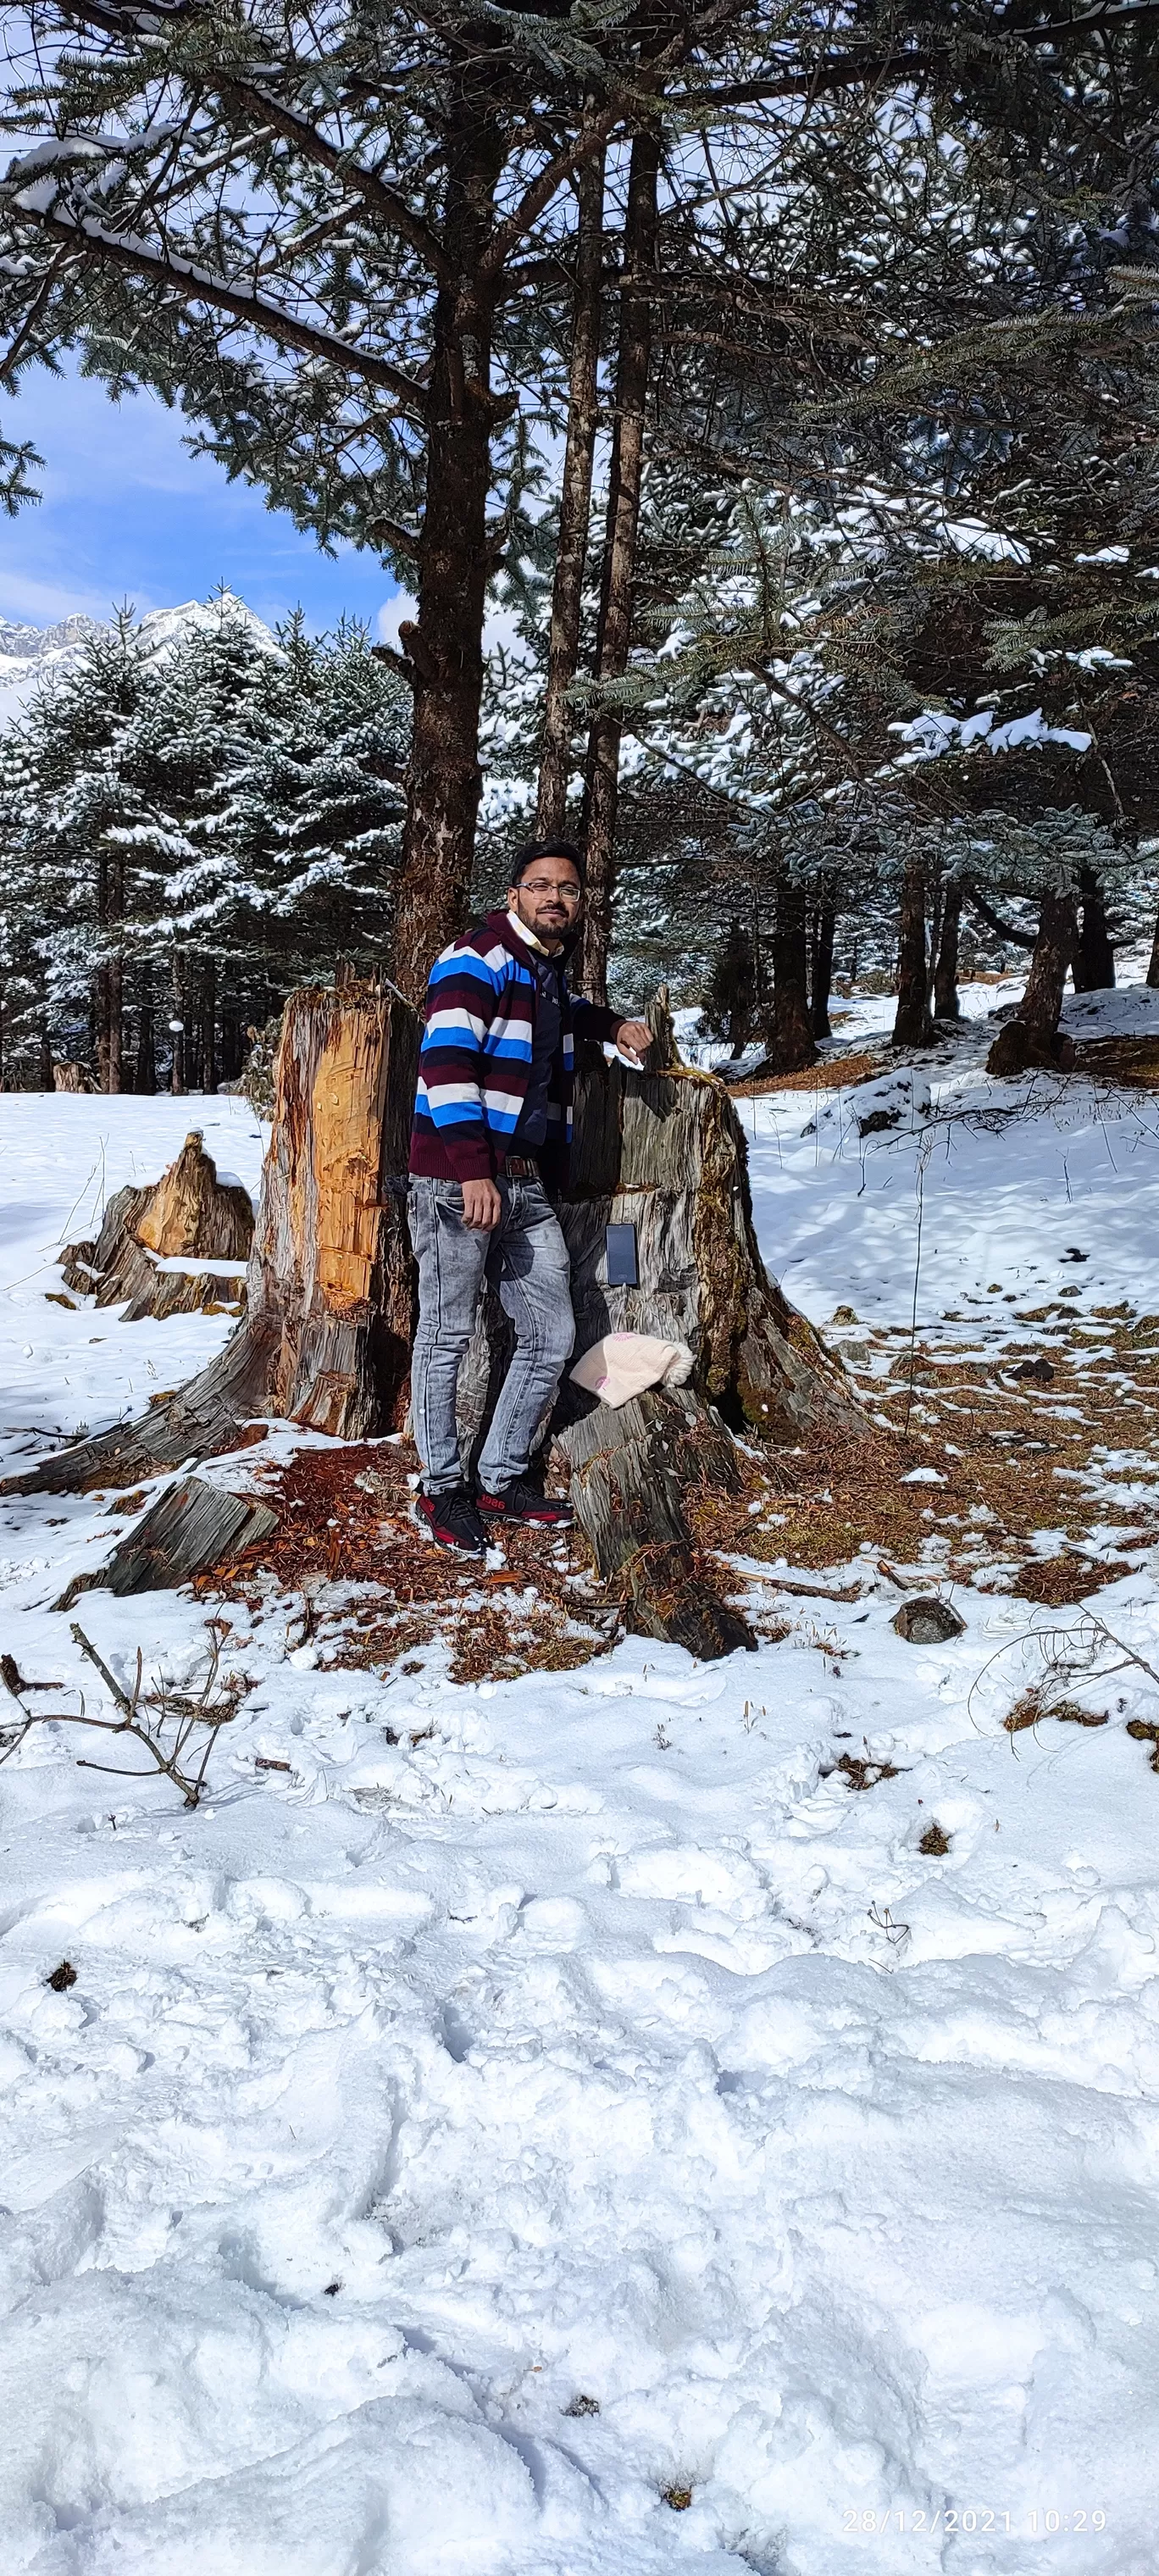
(1094, 957)
(1032, 1037)
(45, 1078)
(443, 650)
(146, 1074)
(231, 1045)
(1054, 950)
(1153, 962)
(209, 1026)
(177, 1019)
(946, 1003)
(821, 981)
(574, 505)
(614, 632)
(791, 1045)
(912, 1026)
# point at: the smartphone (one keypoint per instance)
(621, 1252)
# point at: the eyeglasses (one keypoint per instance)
(548, 885)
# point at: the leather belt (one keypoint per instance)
(520, 1167)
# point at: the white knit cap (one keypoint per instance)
(623, 1364)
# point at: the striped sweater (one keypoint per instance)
(475, 1062)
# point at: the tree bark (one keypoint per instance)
(912, 1026)
(443, 651)
(946, 1003)
(821, 986)
(791, 1045)
(1094, 957)
(617, 595)
(574, 505)
(45, 1078)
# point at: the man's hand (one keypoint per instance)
(633, 1038)
(482, 1205)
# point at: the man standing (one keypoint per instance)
(492, 1129)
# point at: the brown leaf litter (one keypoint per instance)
(346, 1524)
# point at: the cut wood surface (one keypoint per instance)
(190, 1527)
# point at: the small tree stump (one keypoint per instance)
(191, 1527)
(927, 1621)
(629, 1470)
(190, 1213)
(191, 1210)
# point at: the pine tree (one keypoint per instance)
(189, 827)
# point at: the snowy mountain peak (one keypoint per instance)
(29, 654)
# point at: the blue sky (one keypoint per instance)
(128, 513)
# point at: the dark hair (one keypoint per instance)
(533, 850)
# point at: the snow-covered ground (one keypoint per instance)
(545, 2101)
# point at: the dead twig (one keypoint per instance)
(145, 1715)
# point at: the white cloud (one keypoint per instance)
(30, 602)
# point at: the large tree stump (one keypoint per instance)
(330, 1298)
(326, 1339)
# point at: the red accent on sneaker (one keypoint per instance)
(523, 1501)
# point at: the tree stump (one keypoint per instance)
(326, 1337)
(190, 1527)
(188, 1215)
(191, 1210)
(330, 1295)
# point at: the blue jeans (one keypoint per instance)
(526, 1259)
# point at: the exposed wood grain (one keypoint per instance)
(191, 1210)
(191, 1527)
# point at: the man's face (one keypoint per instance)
(547, 898)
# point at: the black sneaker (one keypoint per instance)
(453, 1520)
(523, 1501)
